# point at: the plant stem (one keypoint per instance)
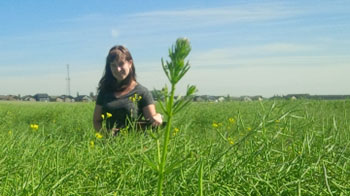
(200, 181)
(166, 140)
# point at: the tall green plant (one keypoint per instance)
(174, 69)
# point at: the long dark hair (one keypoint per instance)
(110, 84)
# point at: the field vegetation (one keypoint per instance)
(299, 147)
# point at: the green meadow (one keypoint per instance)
(299, 147)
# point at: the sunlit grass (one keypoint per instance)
(282, 148)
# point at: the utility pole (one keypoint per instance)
(68, 81)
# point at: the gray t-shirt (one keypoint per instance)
(125, 107)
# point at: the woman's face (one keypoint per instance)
(120, 69)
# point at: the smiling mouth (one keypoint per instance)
(119, 75)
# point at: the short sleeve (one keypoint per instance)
(146, 99)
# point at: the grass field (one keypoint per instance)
(297, 147)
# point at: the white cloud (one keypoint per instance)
(280, 66)
(276, 54)
(288, 61)
(219, 15)
(266, 49)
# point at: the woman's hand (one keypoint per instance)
(156, 120)
(115, 131)
(151, 115)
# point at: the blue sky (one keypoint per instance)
(238, 47)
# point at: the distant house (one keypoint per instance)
(247, 99)
(211, 98)
(208, 98)
(43, 97)
(198, 98)
(84, 98)
(67, 98)
(221, 99)
(331, 97)
(234, 99)
(28, 98)
(297, 96)
(256, 98)
(14, 98)
(9, 98)
(3, 97)
(56, 99)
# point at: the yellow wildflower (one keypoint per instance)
(103, 116)
(215, 125)
(230, 140)
(138, 97)
(35, 127)
(10, 132)
(277, 121)
(108, 115)
(92, 144)
(175, 131)
(249, 128)
(98, 135)
(135, 98)
(231, 120)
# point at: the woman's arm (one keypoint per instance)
(97, 119)
(149, 112)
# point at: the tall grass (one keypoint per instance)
(235, 148)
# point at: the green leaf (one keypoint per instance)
(175, 164)
(154, 136)
(165, 68)
(162, 107)
(200, 180)
(191, 89)
(60, 181)
(150, 163)
(181, 106)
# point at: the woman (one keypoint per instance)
(121, 95)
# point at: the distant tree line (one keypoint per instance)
(158, 95)
(308, 96)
